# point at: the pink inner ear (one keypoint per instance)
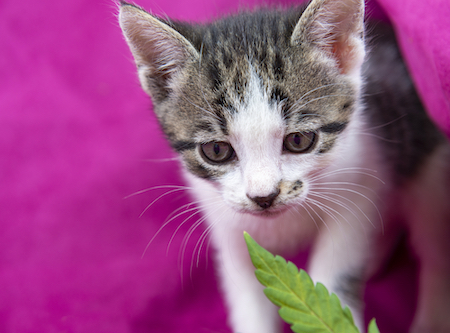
(347, 54)
(335, 27)
(153, 43)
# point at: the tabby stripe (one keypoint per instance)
(215, 75)
(334, 128)
(327, 146)
(181, 146)
(200, 171)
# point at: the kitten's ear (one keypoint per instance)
(158, 50)
(336, 27)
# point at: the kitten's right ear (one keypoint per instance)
(336, 28)
(158, 50)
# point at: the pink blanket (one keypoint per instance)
(77, 137)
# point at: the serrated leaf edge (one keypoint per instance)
(251, 242)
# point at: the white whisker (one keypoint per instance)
(171, 218)
(326, 184)
(295, 108)
(358, 194)
(157, 188)
(158, 198)
(317, 214)
(204, 236)
(327, 196)
(197, 210)
(163, 226)
(351, 170)
(342, 205)
(191, 231)
(321, 87)
(299, 107)
(333, 213)
(162, 160)
(388, 123)
(378, 137)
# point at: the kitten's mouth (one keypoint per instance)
(270, 212)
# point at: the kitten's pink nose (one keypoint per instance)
(265, 202)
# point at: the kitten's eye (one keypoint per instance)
(217, 152)
(300, 142)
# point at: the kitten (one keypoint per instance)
(286, 130)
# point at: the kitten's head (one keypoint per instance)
(258, 103)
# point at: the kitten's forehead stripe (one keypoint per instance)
(227, 58)
(278, 68)
(205, 127)
(215, 75)
(223, 124)
(228, 43)
(279, 94)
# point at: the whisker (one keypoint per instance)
(162, 160)
(160, 197)
(321, 87)
(169, 220)
(350, 170)
(198, 210)
(378, 137)
(185, 241)
(299, 107)
(319, 185)
(327, 196)
(202, 239)
(345, 170)
(291, 109)
(361, 195)
(155, 188)
(190, 233)
(388, 123)
(330, 211)
(342, 205)
(162, 227)
(315, 212)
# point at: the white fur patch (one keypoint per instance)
(257, 133)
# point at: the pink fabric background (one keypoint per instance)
(77, 137)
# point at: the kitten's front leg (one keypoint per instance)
(249, 309)
(340, 261)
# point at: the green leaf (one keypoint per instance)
(373, 328)
(306, 307)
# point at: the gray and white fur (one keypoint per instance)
(287, 129)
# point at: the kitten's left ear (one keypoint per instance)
(158, 50)
(335, 27)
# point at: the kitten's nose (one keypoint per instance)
(265, 202)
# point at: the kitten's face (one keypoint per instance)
(266, 140)
(251, 103)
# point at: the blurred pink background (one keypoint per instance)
(77, 137)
